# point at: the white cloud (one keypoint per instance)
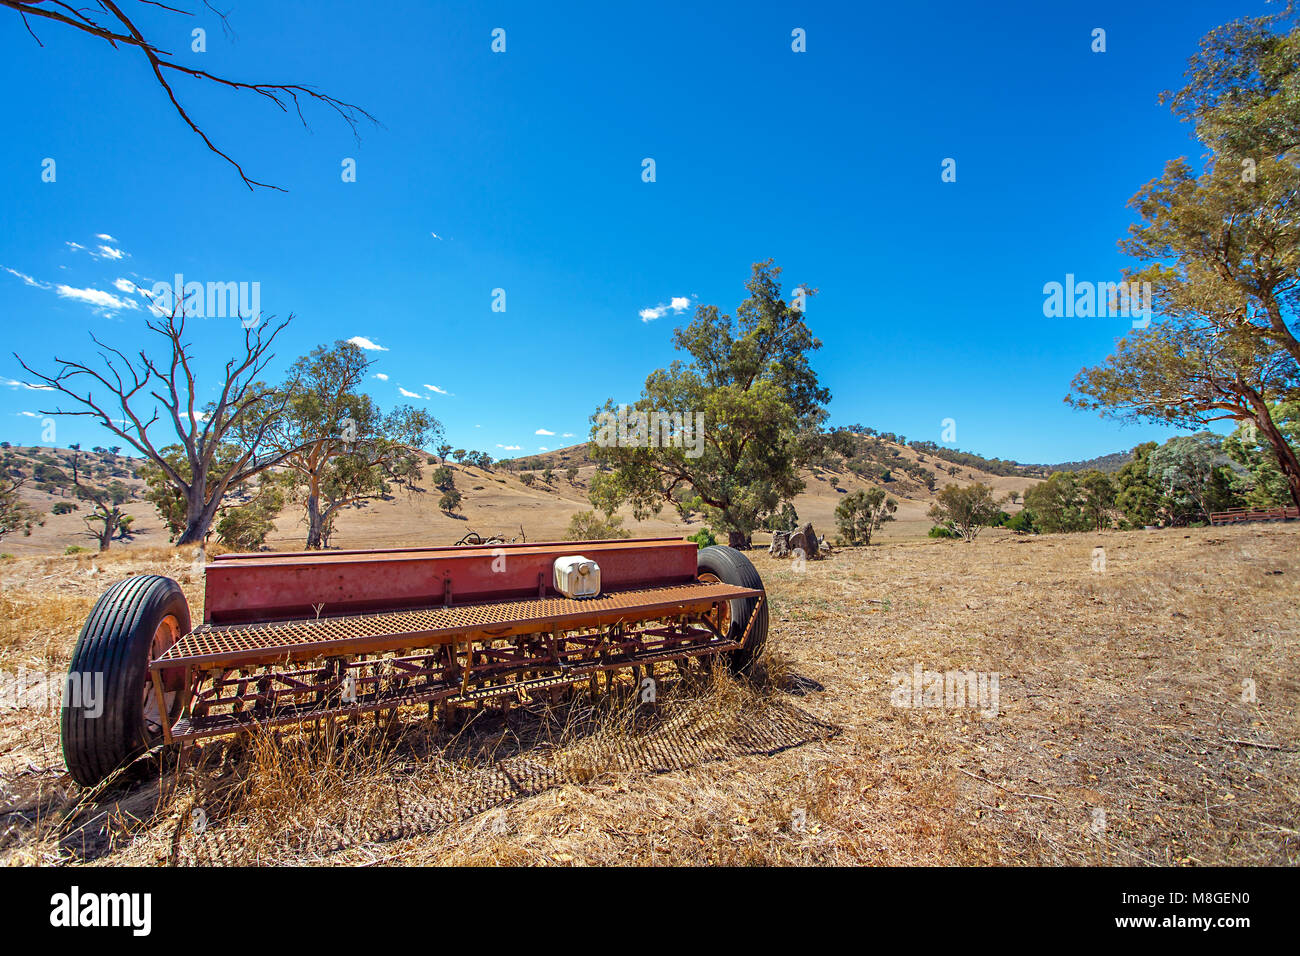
(567, 435)
(95, 298)
(14, 383)
(435, 388)
(27, 280)
(361, 342)
(105, 237)
(543, 431)
(542, 448)
(436, 236)
(678, 304)
(74, 246)
(381, 376)
(30, 415)
(125, 285)
(510, 447)
(406, 394)
(108, 252)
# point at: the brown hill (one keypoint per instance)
(498, 501)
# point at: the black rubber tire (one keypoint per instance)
(116, 642)
(731, 567)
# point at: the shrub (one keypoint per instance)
(1022, 520)
(862, 513)
(63, 508)
(588, 526)
(75, 549)
(942, 531)
(245, 528)
(704, 538)
(784, 520)
(965, 510)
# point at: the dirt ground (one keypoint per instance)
(1146, 712)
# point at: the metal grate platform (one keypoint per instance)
(248, 645)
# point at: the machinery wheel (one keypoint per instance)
(729, 566)
(111, 714)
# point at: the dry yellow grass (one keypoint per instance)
(498, 502)
(1125, 732)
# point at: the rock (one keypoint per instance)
(810, 548)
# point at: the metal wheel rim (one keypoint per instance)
(721, 618)
(166, 634)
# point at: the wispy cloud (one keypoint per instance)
(510, 447)
(104, 301)
(361, 342)
(406, 394)
(567, 435)
(105, 237)
(27, 280)
(435, 388)
(108, 252)
(14, 383)
(99, 300)
(677, 305)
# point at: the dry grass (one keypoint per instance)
(1120, 691)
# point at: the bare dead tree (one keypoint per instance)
(219, 442)
(16, 515)
(106, 20)
(106, 520)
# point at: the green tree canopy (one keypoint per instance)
(968, 510)
(750, 377)
(340, 449)
(860, 514)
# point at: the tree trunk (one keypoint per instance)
(1286, 456)
(315, 524)
(1286, 459)
(105, 534)
(199, 516)
(738, 540)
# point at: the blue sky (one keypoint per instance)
(527, 165)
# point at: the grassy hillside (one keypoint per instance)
(499, 500)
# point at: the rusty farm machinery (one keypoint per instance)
(292, 638)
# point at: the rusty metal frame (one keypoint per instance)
(423, 666)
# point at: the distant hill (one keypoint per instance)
(511, 498)
(1108, 463)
